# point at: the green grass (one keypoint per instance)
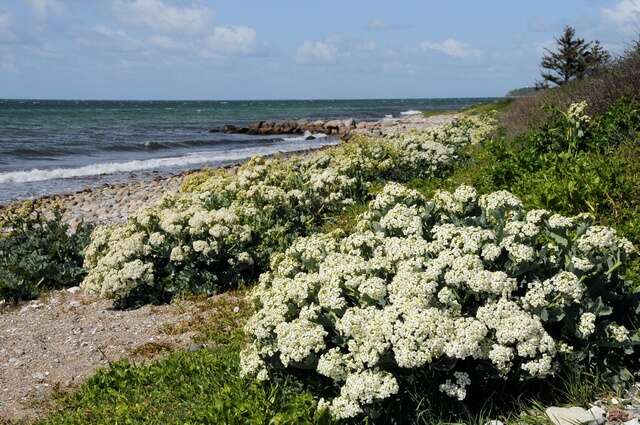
(188, 387)
(477, 109)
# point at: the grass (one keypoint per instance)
(477, 109)
(188, 387)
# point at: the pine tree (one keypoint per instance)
(574, 59)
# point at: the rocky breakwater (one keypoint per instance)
(344, 129)
(340, 128)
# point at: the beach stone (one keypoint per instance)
(633, 421)
(38, 377)
(333, 126)
(575, 415)
(195, 347)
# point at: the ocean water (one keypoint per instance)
(51, 146)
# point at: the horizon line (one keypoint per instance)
(242, 100)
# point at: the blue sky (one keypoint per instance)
(286, 49)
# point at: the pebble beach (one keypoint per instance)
(113, 203)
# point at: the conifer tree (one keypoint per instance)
(574, 59)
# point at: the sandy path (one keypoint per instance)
(58, 341)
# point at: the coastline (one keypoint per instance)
(114, 202)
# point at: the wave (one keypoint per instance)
(410, 112)
(49, 151)
(36, 175)
(305, 137)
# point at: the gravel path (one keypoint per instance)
(55, 343)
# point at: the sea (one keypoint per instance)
(60, 146)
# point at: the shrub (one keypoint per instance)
(551, 167)
(442, 295)
(619, 80)
(225, 230)
(38, 252)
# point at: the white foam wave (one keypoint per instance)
(195, 158)
(305, 137)
(410, 112)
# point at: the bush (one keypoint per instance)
(224, 231)
(38, 252)
(619, 80)
(443, 295)
(551, 167)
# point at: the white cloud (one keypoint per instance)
(160, 16)
(316, 52)
(44, 8)
(166, 43)
(625, 15)
(115, 39)
(231, 40)
(6, 34)
(451, 47)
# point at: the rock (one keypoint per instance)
(316, 126)
(633, 421)
(309, 136)
(266, 127)
(255, 127)
(618, 415)
(73, 289)
(333, 127)
(350, 123)
(228, 128)
(195, 347)
(575, 415)
(39, 377)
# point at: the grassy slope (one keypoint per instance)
(480, 108)
(204, 387)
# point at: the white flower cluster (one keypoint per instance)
(457, 278)
(231, 224)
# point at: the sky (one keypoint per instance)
(289, 49)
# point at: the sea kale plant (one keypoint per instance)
(38, 251)
(444, 294)
(224, 230)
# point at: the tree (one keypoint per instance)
(574, 59)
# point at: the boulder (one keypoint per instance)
(350, 123)
(254, 128)
(266, 127)
(575, 415)
(228, 128)
(333, 126)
